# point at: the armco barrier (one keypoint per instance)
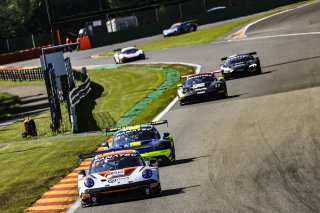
(105, 38)
(20, 55)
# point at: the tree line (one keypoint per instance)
(21, 17)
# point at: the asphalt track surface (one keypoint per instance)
(257, 151)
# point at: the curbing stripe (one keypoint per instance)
(57, 198)
(63, 192)
(46, 211)
(57, 208)
(54, 203)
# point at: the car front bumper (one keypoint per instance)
(118, 193)
(207, 95)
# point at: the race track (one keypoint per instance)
(257, 151)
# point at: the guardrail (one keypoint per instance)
(76, 95)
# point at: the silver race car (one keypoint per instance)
(116, 175)
(128, 54)
(201, 86)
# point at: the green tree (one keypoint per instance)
(19, 17)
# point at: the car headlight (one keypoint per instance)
(252, 65)
(184, 91)
(228, 69)
(89, 182)
(147, 173)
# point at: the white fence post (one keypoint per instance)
(32, 37)
(157, 15)
(73, 118)
(180, 8)
(8, 46)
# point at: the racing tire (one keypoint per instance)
(194, 28)
(158, 193)
(86, 203)
(143, 56)
(173, 155)
(181, 103)
(123, 60)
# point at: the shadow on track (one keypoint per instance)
(34, 100)
(210, 100)
(185, 160)
(169, 192)
(293, 61)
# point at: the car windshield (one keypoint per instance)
(125, 137)
(115, 162)
(129, 51)
(238, 59)
(175, 25)
(197, 79)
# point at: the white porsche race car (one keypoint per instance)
(114, 175)
(128, 54)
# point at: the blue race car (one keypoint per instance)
(146, 139)
(181, 27)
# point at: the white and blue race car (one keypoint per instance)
(116, 175)
(128, 54)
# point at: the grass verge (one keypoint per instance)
(29, 169)
(114, 92)
(155, 107)
(20, 83)
(197, 37)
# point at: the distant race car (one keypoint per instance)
(128, 54)
(240, 65)
(114, 175)
(201, 86)
(181, 27)
(146, 139)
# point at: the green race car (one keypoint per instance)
(146, 139)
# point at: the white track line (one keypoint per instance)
(244, 29)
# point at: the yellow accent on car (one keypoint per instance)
(153, 185)
(84, 196)
(136, 143)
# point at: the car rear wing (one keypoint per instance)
(194, 20)
(153, 123)
(93, 154)
(211, 71)
(118, 50)
(251, 53)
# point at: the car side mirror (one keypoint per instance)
(105, 144)
(81, 173)
(221, 78)
(165, 134)
(179, 85)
